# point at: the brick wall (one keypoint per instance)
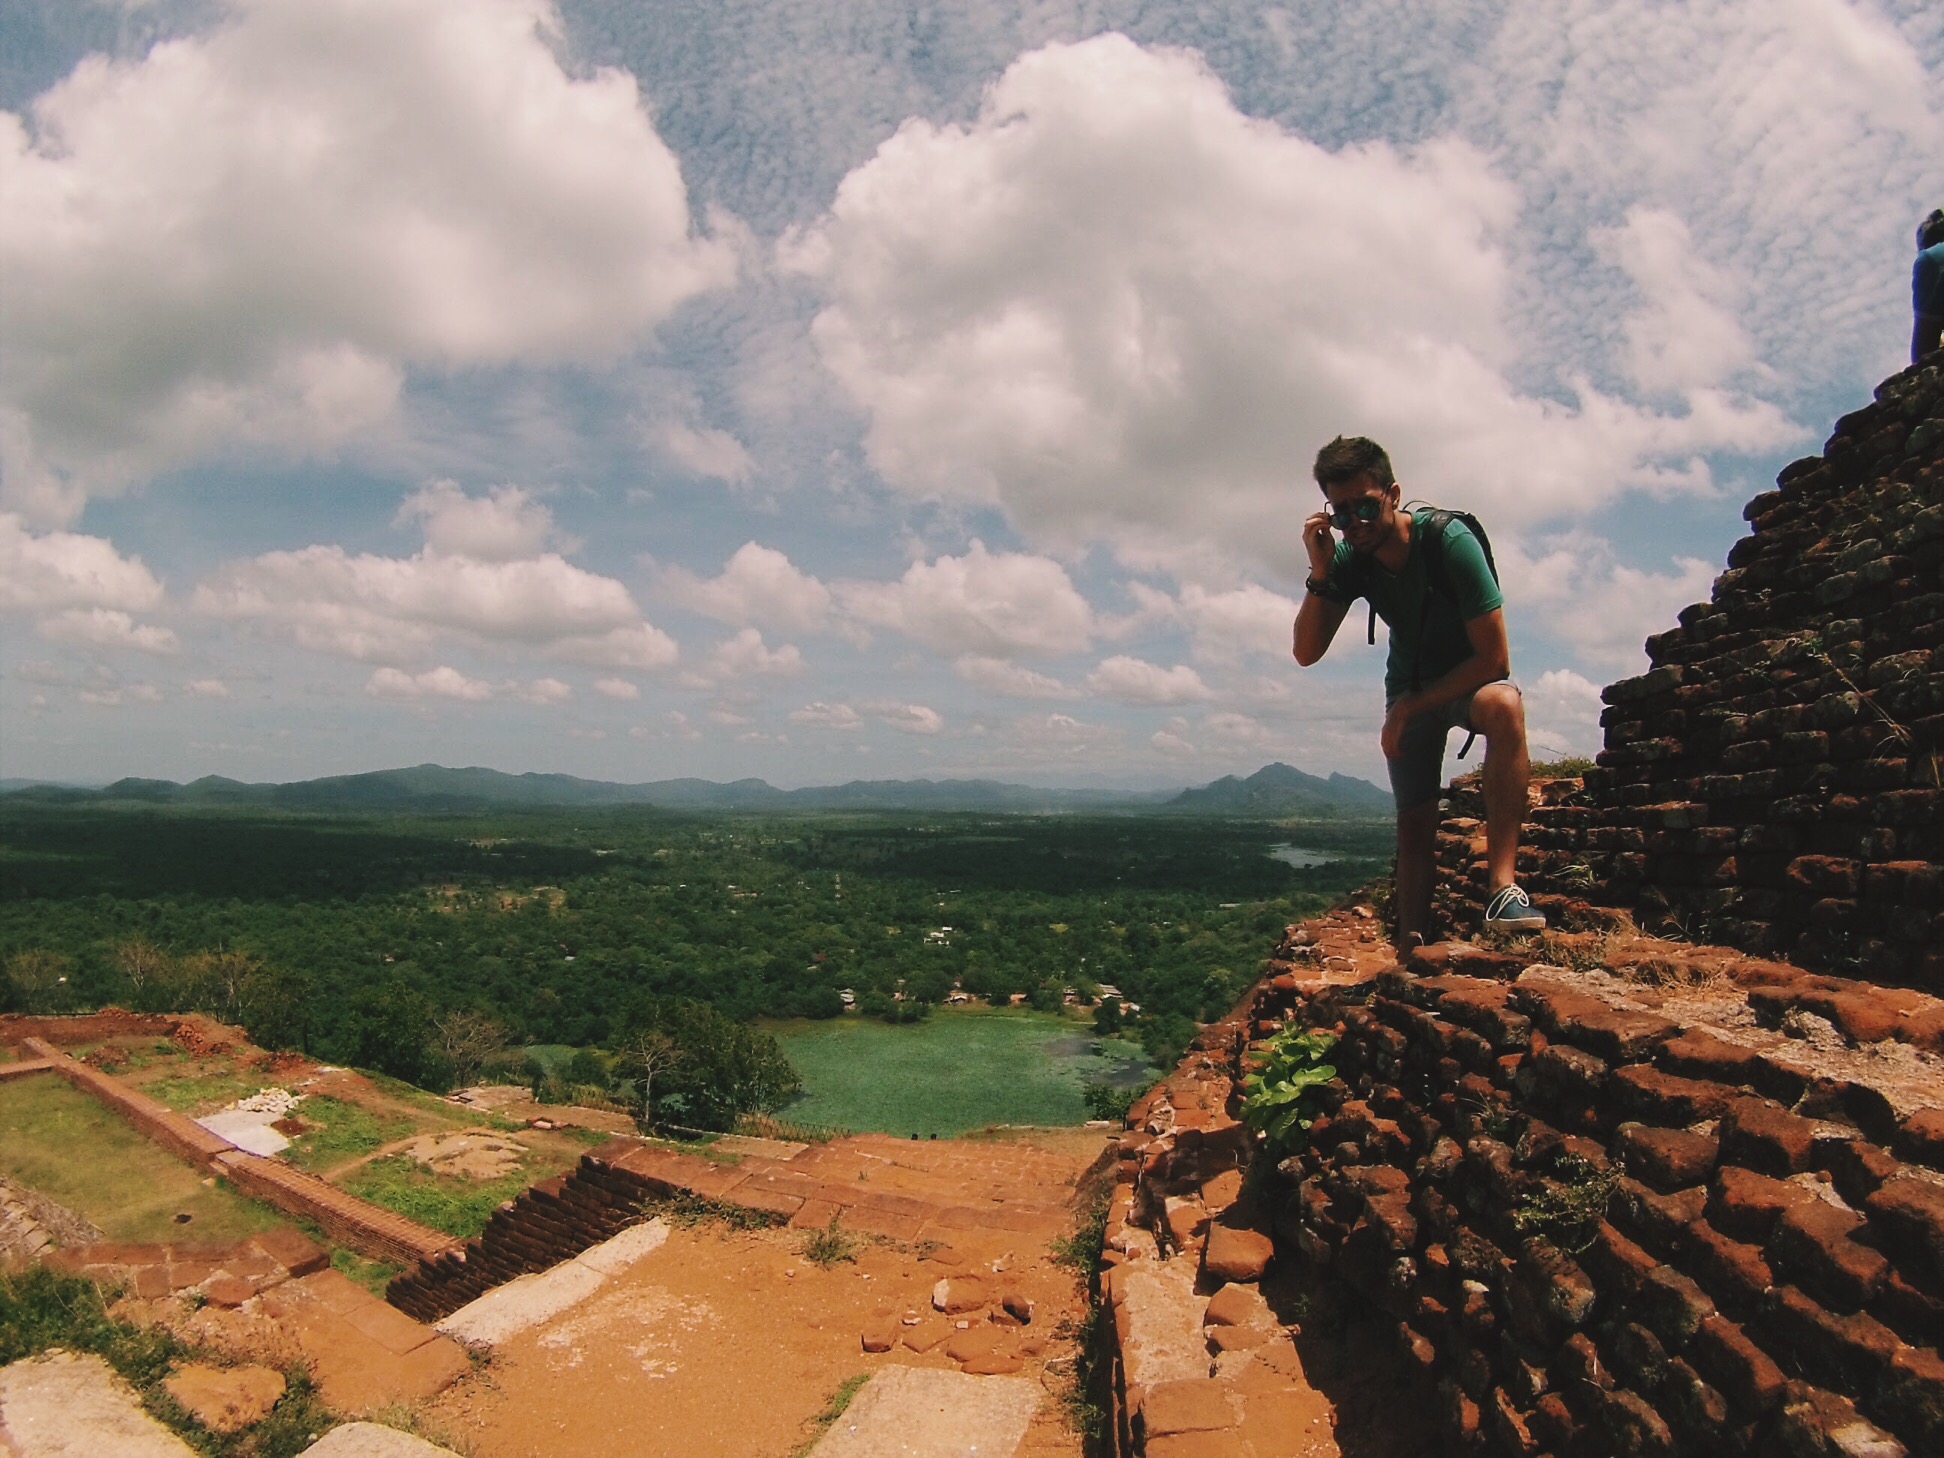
(1773, 780)
(1711, 1300)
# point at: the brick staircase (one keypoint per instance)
(872, 1183)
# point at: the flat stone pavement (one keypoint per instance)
(915, 1412)
(68, 1405)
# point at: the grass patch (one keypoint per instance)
(830, 1245)
(41, 1309)
(202, 1093)
(834, 1407)
(344, 1132)
(959, 1069)
(689, 1210)
(374, 1276)
(458, 1206)
(59, 1141)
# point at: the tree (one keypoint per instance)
(641, 1055)
(721, 1068)
(1107, 1017)
(142, 963)
(38, 978)
(389, 1028)
(465, 1039)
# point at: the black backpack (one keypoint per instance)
(1437, 573)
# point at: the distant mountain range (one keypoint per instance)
(1272, 792)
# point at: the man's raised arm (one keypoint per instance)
(1318, 618)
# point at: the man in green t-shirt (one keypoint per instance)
(1449, 665)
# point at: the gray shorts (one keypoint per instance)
(1417, 774)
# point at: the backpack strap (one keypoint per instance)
(1431, 532)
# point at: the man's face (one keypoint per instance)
(1354, 501)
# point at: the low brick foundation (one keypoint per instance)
(364, 1227)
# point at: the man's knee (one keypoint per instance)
(1498, 712)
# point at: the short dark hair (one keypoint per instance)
(1350, 458)
(1930, 232)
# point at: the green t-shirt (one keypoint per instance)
(1399, 599)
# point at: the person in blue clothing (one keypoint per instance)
(1449, 666)
(1927, 287)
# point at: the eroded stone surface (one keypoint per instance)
(914, 1412)
(65, 1405)
(372, 1440)
(226, 1399)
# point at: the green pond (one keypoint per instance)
(959, 1069)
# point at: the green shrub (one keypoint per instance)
(1281, 1098)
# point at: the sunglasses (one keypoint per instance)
(1366, 510)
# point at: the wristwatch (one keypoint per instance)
(1319, 588)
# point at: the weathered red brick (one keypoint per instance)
(1722, 1352)
(1633, 1429)
(1921, 1138)
(1856, 1167)
(1659, 1222)
(1744, 1204)
(1667, 1159)
(1732, 1271)
(1619, 1035)
(1912, 1398)
(1765, 1137)
(1617, 1261)
(1653, 1097)
(1815, 1422)
(1907, 1215)
(1672, 1306)
(1813, 1245)
(1850, 1353)
(1701, 1054)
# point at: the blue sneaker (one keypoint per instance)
(1510, 909)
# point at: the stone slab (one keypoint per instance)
(372, 1440)
(925, 1412)
(526, 1301)
(64, 1405)
(247, 1130)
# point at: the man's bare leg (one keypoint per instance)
(1498, 713)
(1417, 842)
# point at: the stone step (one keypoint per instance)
(926, 1412)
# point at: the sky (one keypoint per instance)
(822, 392)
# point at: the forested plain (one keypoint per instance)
(352, 937)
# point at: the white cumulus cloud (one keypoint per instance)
(1121, 310)
(618, 689)
(821, 715)
(397, 609)
(1136, 681)
(501, 526)
(906, 718)
(1007, 680)
(250, 235)
(988, 604)
(443, 682)
(758, 587)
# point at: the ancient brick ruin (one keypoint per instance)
(1607, 1192)
(1772, 781)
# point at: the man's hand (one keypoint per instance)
(1394, 721)
(1320, 545)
